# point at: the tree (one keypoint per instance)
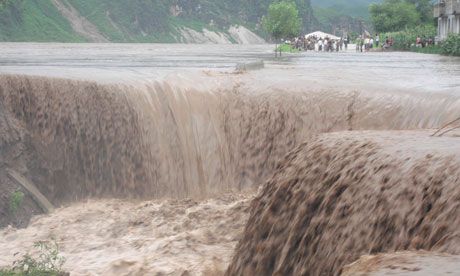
(282, 20)
(394, 15)
(424, 8)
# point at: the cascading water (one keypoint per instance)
(196, 147)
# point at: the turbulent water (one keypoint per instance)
(154, 122)
(348, 194)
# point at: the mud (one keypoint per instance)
(347, 194)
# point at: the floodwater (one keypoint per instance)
(116, 62)
(157, 164)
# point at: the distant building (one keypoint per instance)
(448, 14)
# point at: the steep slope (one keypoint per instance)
(79, 24)
(35, 20)
(136, 20)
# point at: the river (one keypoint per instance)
(153, 154)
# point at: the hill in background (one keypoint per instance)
(339, 16)
(355, 8)
(198, 21)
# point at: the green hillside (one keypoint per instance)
(340, 16)
(34, 20)
(129, 21)
(354, 8)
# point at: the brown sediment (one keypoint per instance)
(347, 194)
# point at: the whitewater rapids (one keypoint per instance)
(119, 237)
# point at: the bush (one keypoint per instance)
(286, 48)
(16, 201)
(48, 263)
(451, 46)
(432, 49)
(404, 40)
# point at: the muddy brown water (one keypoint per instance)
(156, 122)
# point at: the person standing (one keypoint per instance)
(366, 44)
(377, 40)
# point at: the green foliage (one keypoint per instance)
(282, 20)
(16, 200)
(394, 15)
(403, 40)
(432, 49)
(286, 48)
(133, 20)
(38, 21)
(353, 8)
(424, 9)
(451, 46)
(48, 263)
(128, 21)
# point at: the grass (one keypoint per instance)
(36, 21)
(48, 263)
(427, 50)
(118, 20)
(16, 200)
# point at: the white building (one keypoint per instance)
(448, 14)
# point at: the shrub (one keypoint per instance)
(451, 46)
(286, 48)
(403, 40)
(16, 201)
(49, 262)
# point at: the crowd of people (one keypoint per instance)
(367, 42)
(364, 43)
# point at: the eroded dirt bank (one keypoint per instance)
(347, 194)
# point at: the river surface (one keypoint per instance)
(117, 62)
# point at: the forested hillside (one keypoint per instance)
(338, 16)
(134, 20)
(354, 8)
